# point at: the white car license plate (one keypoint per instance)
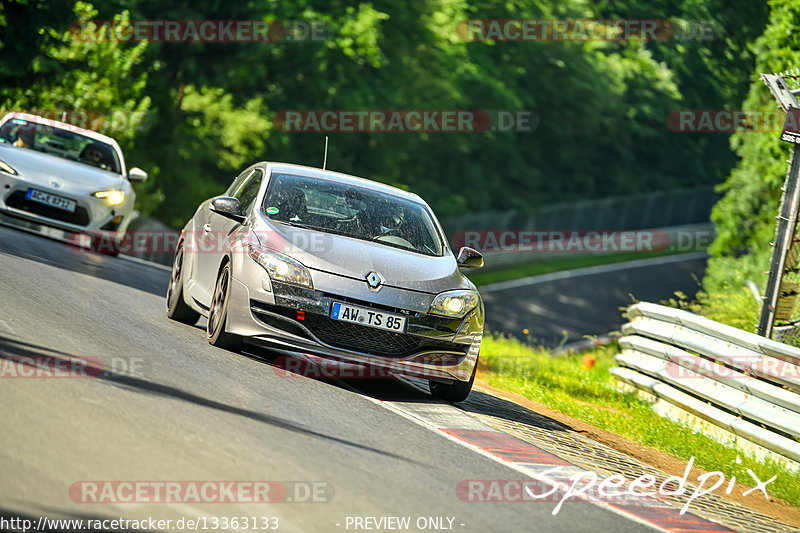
(52, 200)
(368, 317)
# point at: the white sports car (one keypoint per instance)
(63, 176)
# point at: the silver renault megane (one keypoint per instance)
(335, 266)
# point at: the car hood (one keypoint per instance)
(45, 169)
(355, 258)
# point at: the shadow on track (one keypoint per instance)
(15, 350)
(42, 249)
(403, 390)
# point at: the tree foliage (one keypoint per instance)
(211, 107)
(745, 217)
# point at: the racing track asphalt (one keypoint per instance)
(588, 301)
(170, 407)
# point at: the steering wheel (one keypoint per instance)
(388, 233)
(90, 161)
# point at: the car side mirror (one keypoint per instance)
(469, 258)
(228, 207)
(136, 174)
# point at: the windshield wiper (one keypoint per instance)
(309, 226)
(411, 248)
(293, 224)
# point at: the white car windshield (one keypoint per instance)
(353, 211)
(60, 142)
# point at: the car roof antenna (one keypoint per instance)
(325, 157)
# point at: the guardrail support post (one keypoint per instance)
(787, 224)
(787, 220)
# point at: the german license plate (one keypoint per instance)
(59, 202)
(368, 317)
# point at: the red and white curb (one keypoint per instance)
(547, 469)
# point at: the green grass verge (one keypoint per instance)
(545, 266)
(559, 382)
(736, 307)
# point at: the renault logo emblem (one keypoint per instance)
(374, 280)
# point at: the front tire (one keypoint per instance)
(177, 308)
(457, 391)
(218, 315)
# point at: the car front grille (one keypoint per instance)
(365, 339)
(372, 340)
(17, 200)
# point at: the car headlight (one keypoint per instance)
(7, 169)
(281, 267)
(454, 303)
(113, 197)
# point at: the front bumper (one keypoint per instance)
(91, 214)
(432, 347)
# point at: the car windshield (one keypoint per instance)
(352, 211)
(60, 142)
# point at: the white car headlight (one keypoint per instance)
(7, 169)
(113, 197)
(281, 267)
(454, 303)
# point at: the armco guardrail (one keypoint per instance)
(739, 381)
(685, 211)
(659, 209)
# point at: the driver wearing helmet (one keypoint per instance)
(25, 138)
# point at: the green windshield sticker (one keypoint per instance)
(272, 210)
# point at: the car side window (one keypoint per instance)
(237, 183)
(248, 191)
